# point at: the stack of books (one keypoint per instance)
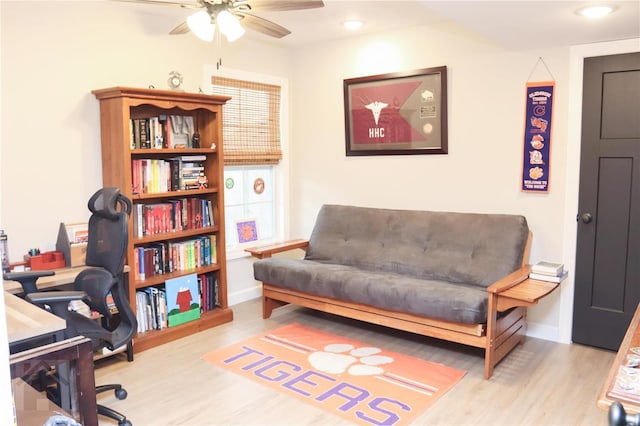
(548, 271)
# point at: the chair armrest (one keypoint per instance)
(16, 276)
(511, 280)
(27, 279)
(267, 251)
(57, 301)
(52, 297)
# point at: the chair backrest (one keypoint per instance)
(106, 250)
(108, 230)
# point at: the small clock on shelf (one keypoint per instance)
(175, 80)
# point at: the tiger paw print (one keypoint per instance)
(338, 358)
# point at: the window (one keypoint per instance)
(253, 146)
(249, 204)
(251, 121)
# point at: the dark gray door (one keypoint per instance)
(607, 275)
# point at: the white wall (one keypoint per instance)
(7, 406)
(52, 55)
(51, 60)
(486, 96)
(50, 146)
(50, 141)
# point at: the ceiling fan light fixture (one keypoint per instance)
(595, 12)
(200, 24)
(229, 25)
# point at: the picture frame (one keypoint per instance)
(247, 230)
(401, 113)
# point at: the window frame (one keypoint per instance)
(280, 170)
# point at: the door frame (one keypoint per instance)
(577, 54)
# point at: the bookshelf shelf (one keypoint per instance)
(174, 194)
(124, 112)
(175, 235)
(173, 151)
(209, 319)
(159, 279)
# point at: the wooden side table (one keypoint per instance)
(611, 390)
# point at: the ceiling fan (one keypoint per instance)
(230, 17)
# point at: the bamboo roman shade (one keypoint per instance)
(251, 121)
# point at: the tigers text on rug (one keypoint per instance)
(363, 384)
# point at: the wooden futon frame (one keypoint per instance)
(507, 308)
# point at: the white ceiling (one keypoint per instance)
(515, 24)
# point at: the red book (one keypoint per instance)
(168, 137)
(149, 267)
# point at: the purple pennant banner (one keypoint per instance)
(537, 137)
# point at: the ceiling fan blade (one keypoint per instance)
(262, 25)
(280, 5)
(183, 28)
(186, 3)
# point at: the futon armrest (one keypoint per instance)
(511, 280)
(267, 251)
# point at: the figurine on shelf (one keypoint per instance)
(203, 182)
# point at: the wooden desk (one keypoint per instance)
(76, 378)
(32, 407)
(63, 276)
(26, 321)
(73, 357)
(610, 391)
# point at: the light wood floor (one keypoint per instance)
(540, 383)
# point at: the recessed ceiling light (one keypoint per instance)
(353, 24)
(595, 12)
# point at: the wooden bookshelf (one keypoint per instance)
(118, 107)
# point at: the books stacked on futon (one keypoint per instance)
(548, 271)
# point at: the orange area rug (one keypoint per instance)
(361, 383)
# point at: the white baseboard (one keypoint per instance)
(545, 332)
(245, 295)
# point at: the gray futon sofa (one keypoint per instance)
(456, 276)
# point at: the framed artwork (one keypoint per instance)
(399, 113)
(247, 230)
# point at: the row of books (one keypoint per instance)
(548, 271)
(153, 175)
(171, 216)
(151, 309)
(81, 307)
(170, 256)
(178, 301)
(163, 131)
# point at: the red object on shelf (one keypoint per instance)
(47, 260)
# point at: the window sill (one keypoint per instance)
(237, 254)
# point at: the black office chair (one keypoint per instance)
(106, 249)
(619, 417)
